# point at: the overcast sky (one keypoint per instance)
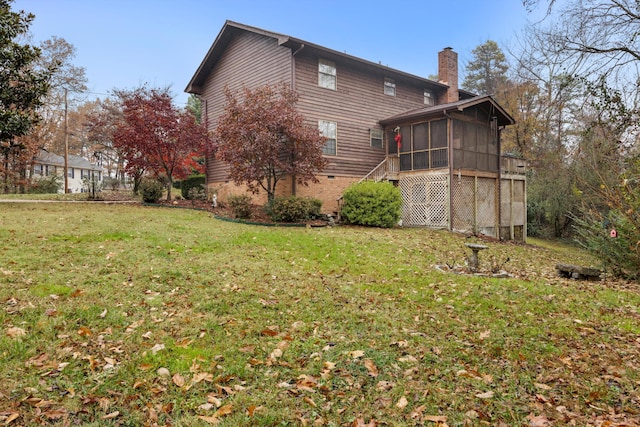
(123, 44)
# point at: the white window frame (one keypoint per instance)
(329, 130)
(429, 98)
(327, 75)
(376, 134)
(389, 86)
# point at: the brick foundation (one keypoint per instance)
(327, 190)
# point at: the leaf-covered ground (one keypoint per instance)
(128, 315)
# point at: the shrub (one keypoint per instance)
(194, 181)
(151, 190)
(240, 206)
(112, 183)
(376, 204)
(294, 209)
(46, 185)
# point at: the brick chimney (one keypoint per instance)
(448, 73)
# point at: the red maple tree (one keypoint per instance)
(156, 136)
(264, 138)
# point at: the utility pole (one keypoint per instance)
(66, 144)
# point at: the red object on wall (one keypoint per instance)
(398, 139)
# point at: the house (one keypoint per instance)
(79, 170)
(439, 144)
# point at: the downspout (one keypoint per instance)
(293, 87)
(450, 153)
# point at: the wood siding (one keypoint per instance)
(356, 106)
(249, 60)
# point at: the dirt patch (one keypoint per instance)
(258, 213)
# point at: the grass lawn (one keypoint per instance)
(130, 315)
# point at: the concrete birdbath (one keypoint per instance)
(473, 259)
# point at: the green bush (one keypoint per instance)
(194, 181)
(294, 209)
(151, 190)
(376, 204)
(112, 183)
(46, 185)
(240, 205)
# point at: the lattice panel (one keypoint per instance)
(425, 200)
(505, 203)
(486, 217)
(462, 204)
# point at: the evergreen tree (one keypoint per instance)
(487, 71)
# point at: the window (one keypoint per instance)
(389, 87)
(37, 169)
(70, 173)
(428, 97)
(327, 74)
(376, 136)
(328, 130)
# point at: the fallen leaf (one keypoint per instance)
(111, 415)
(156, 348)
(384, 386)
(11, 418)
(371, 367)
(485, 335)
(103, 314)
(83, 331)
(223, 410)
(407, 359)
(178, 380)
(486, 395)
(538, 421)
(16, 332)
(184, 342)
(202, 376)
(356, 354)
(269, 332)
(402, 403)
(542, 386)
(306, 383)
(436, 418)
(416, 414)
(329, 365)
(210, 420)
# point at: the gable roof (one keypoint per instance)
(46, 158)
(230, 29)
(503, 117)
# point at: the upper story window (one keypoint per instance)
(389, 87)
(376, 136)
(329, 131)
(428, 98)
(327, 74)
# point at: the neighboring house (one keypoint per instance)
(79, 170)
(447, 165)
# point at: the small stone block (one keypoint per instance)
(578, 272)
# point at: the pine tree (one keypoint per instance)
(487, 71)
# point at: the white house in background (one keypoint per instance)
(79, 170)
